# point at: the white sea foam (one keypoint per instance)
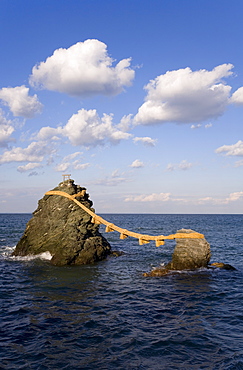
(30, 257)
(6, 252)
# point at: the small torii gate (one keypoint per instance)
(66, 177)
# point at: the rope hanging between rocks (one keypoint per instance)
(143, 239)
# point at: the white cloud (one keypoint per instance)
(28, 167)
(125, 123)
(80, 166)
(35, 152)
(6, 130)
(148, 141)
(62, 167)
(208, 125)
(137, 164)
(237, 97)
(183, 165)
(196, 126)
(113, 180)
(170, 167)
(86, 128)
(70, 157)
(115, 173)
(68, 162)
(184, 96)
(159, 197)
(84, 69)
(233, 197)
(49, 133)
(232, 150)
(19, 101)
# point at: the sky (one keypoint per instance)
(141, 101)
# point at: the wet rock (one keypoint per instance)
(221, 265)
(62, 228)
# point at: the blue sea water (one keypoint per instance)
(108, 316)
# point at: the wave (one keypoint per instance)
(6, 253)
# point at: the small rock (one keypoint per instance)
(190, 253)
(222, 265)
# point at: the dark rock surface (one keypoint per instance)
(62, 228)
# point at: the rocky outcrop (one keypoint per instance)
(62, 228)
(189, 254)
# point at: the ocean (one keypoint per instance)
(109, 316)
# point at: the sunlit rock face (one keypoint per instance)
(190, 253)
(62, 228)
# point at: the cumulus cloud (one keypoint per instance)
(126, 123)
(35, 152)
(231, 150)
(147, 141)
(19, 102)
(50, 133)
(154, 197)
(183, 165)
(86, 128)
(6, 130)
(84, 69)
(184, 96)
(29, 167)
(237, 97)
(137, 164)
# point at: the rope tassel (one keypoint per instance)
(143, 241)
(160, 242)
(109, 228)
(95, 221)
(123, 236)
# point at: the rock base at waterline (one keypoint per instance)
(61, 227)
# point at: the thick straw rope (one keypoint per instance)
(143, 239)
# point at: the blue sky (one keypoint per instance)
(140, 101)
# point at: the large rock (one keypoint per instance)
(62, 228)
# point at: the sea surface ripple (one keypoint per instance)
(108, 315)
